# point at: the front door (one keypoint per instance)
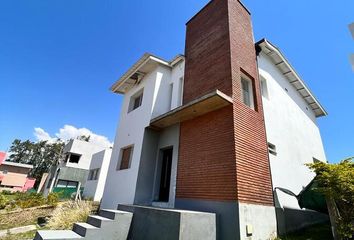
(165, 175)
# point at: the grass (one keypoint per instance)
(20, 236)
(316, 232)
(23, 217)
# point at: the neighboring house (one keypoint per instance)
(217, 130)
(351, 28)
(13, 176)
(72, 171)
(97, 175)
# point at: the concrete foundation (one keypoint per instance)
(172, 224)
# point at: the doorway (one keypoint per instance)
(165, 178)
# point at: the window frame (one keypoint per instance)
(132, 101)
(264, 87)
(74, 154)
(119, 163)
(250, 85)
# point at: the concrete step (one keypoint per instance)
(99, 221)
(85, 229)
(57, 235)
(114, 214)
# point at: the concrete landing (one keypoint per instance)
(173, 224)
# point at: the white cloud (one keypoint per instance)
(68, 132)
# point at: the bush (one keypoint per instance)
(27, 200)
(68, 213)
(3, 201)
(336, 183)
(53, 199)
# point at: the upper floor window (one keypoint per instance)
(136, 100)
(72, 158)
(93, 174)
(125, 158)
(247, 91)
(264, 88)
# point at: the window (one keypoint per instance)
(93, 175)
(74, 158)
(247, 91)
(66, 184)
(264, 88)
(170, 96)
(272, 149)
(136, 100)
(125, 159)
(180, 92)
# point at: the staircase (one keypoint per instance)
(108, 224)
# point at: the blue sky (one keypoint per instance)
(59, 58)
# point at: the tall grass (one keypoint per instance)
(68, 213)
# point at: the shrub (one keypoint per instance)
(27, 200)
(336, 182)
(3, 201)
(53, 199)
(65, 215)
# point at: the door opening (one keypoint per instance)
(165, 179)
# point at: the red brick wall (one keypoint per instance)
(252, 163)
(207, 52)
(206, 166)
(223, 154)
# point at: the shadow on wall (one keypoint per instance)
(290, 219)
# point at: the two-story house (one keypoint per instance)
(217, 130)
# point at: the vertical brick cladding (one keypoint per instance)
(252, 165)
(222, 155)
(207, 51)
(206, 165)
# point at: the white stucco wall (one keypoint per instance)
(85, 149)
(120, 185)
(94, 188)
(291, 127)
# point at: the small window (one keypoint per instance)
(62, 183)
(74, 158)
(93, 175)
(66, 184)
(170, 96)
(264, 88)
(125, 160)
(272, 149)
(135, 101)
(180, 91)
(247, 91)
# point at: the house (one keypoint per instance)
(97, 175)
(351, 28)
(73, 169)
(14, 176)
(217, 129)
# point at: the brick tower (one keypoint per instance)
(223, 162)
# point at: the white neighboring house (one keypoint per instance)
(73, 168)
(97, 175)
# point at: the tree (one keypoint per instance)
(336, 183)
(84, 138)
(42, 155)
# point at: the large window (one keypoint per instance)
(125, 158)
(67, 184)
(136, 100)
(247, 91)
(93, 174)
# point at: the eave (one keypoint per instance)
(289, 72)
(142, 67)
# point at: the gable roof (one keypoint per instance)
(136, 72)
(289, 72)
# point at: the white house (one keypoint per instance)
(217, 130)
(73, 168)
(97, 175)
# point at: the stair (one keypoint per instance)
(109, 224)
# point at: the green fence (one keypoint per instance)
(66, 193)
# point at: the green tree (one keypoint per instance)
(84, 138)
(42, 155)
(336, 182)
